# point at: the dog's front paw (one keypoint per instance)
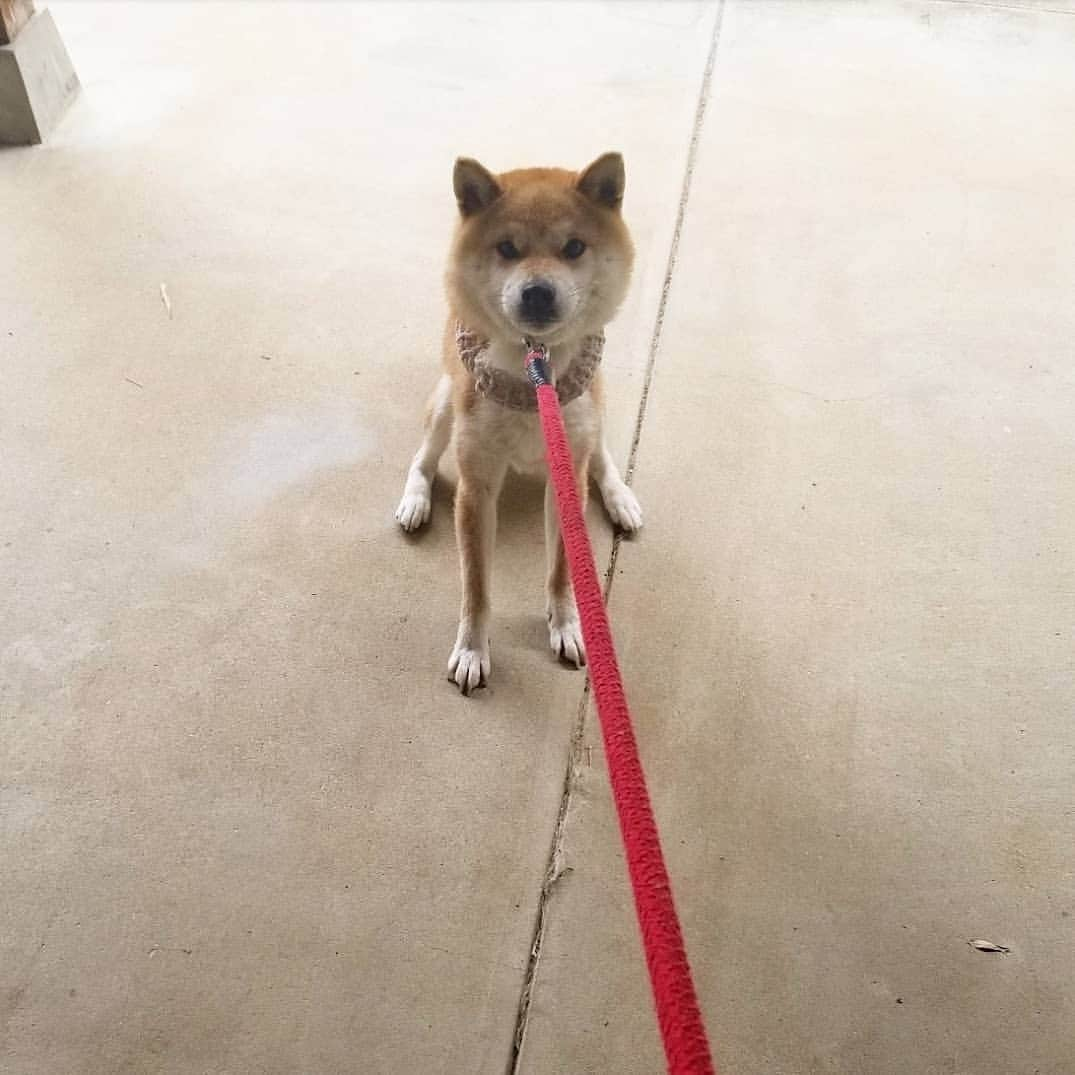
(469, 668)
(413, 510)
(623, 507)
(565, 635)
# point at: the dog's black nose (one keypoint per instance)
(539, 302)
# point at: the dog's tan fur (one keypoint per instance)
(539, 210)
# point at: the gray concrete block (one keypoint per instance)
(37, 82)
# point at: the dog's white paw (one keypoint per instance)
(469, 668)
(413, 510)
(565, 635)
(623, 507)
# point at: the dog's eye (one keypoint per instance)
(508, 250)
(573, 248)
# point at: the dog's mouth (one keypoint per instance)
(544, 329)
(537, 324)
(545, 332)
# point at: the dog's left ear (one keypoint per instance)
(604, 180)
(475, 186)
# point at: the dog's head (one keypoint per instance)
(540, 252)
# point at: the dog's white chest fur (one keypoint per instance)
(516, 435)
(528, 452)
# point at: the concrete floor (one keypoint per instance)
(248, 826)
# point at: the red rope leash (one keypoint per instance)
(685, 1045)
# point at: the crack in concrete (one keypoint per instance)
(554, 873)
(673, 249)
(555, 869)
(1029, 9)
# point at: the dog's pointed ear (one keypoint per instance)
(604, 180)
(476, 187)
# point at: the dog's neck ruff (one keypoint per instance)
(517, 393)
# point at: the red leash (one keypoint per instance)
(685, 1045)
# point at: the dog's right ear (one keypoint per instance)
(475, 187)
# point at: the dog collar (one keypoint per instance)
(517, 393)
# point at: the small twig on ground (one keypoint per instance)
(988, 946)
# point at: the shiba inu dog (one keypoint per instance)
(544, 254)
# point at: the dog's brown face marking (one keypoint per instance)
(540, 251)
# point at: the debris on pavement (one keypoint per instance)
(987, 946)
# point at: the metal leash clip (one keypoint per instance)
(537, 363)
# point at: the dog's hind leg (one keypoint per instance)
(620, 503)
(417, 501)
